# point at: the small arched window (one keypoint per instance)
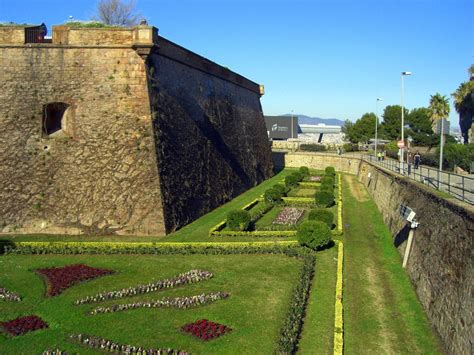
(55, 116)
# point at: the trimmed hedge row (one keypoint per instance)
(150, 248)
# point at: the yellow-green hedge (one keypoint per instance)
(338, 317)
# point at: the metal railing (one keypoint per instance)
(459, 186)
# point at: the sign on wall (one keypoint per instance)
(282, 127)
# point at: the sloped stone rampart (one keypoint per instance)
(154, 135)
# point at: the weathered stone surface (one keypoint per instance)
(211, 139)
(146, 147)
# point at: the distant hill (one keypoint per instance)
(303, 119)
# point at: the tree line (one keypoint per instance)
(420, 123)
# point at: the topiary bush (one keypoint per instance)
(304, 170)
(330, 171)
(324, 199)
(291, 181)
(238, 220)
(327, 180)
(314, 234)
(280, 187)
(323, 215)
(298, 175)
(327, 188)
(272, 195)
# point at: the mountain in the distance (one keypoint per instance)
(303, 119)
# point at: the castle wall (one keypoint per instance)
(211, 139)
(100, 177)
(155, 135)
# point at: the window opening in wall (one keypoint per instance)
(53, 117)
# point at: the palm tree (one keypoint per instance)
(438, 110)
(464, 105)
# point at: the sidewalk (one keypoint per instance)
(458, 186)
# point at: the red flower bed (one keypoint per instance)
(22, 325)
(205, 329)
(60, 278)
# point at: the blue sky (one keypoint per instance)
(326, 58)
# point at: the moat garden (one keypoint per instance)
(300, 263)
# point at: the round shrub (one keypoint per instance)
(323, 215)
(291, 181)
(238, 220)
(298, 175)
(327, 180)
(328, 188)
(281, 188)
(324, 199)
(314, 234)
(304, 170)
(330, 171)
(272, 195)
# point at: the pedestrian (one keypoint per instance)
(384, 154)
(338, 151)
(417, 159)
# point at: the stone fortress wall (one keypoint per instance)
(441, 262)
(131, 156)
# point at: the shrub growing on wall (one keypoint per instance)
(272, 195)
(324, 199)
(330, 171)
(304, 170)
(323, 215)
(238, 220)
(314, 234)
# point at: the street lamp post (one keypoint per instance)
(376, 123)
(402, 150)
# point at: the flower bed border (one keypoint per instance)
(94, 342)
(293, 324)
(183, 302)
(8, 295)
(185, 278)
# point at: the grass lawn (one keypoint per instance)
(302, 192)
(318, 331)
(260, 288)
(381, 310)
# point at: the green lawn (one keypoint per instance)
(318, 331)
(381, 310)
(260, 287)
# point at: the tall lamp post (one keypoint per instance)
(402, 150)
(376, 123)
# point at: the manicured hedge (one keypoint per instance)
(327, 180)
(238, 220)
(314, 234)
(312, 147)
(149, 248)
(304, 170)
(272, 195)
(330, 171)
(323, 215)
(324, 199)
(291, 181)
